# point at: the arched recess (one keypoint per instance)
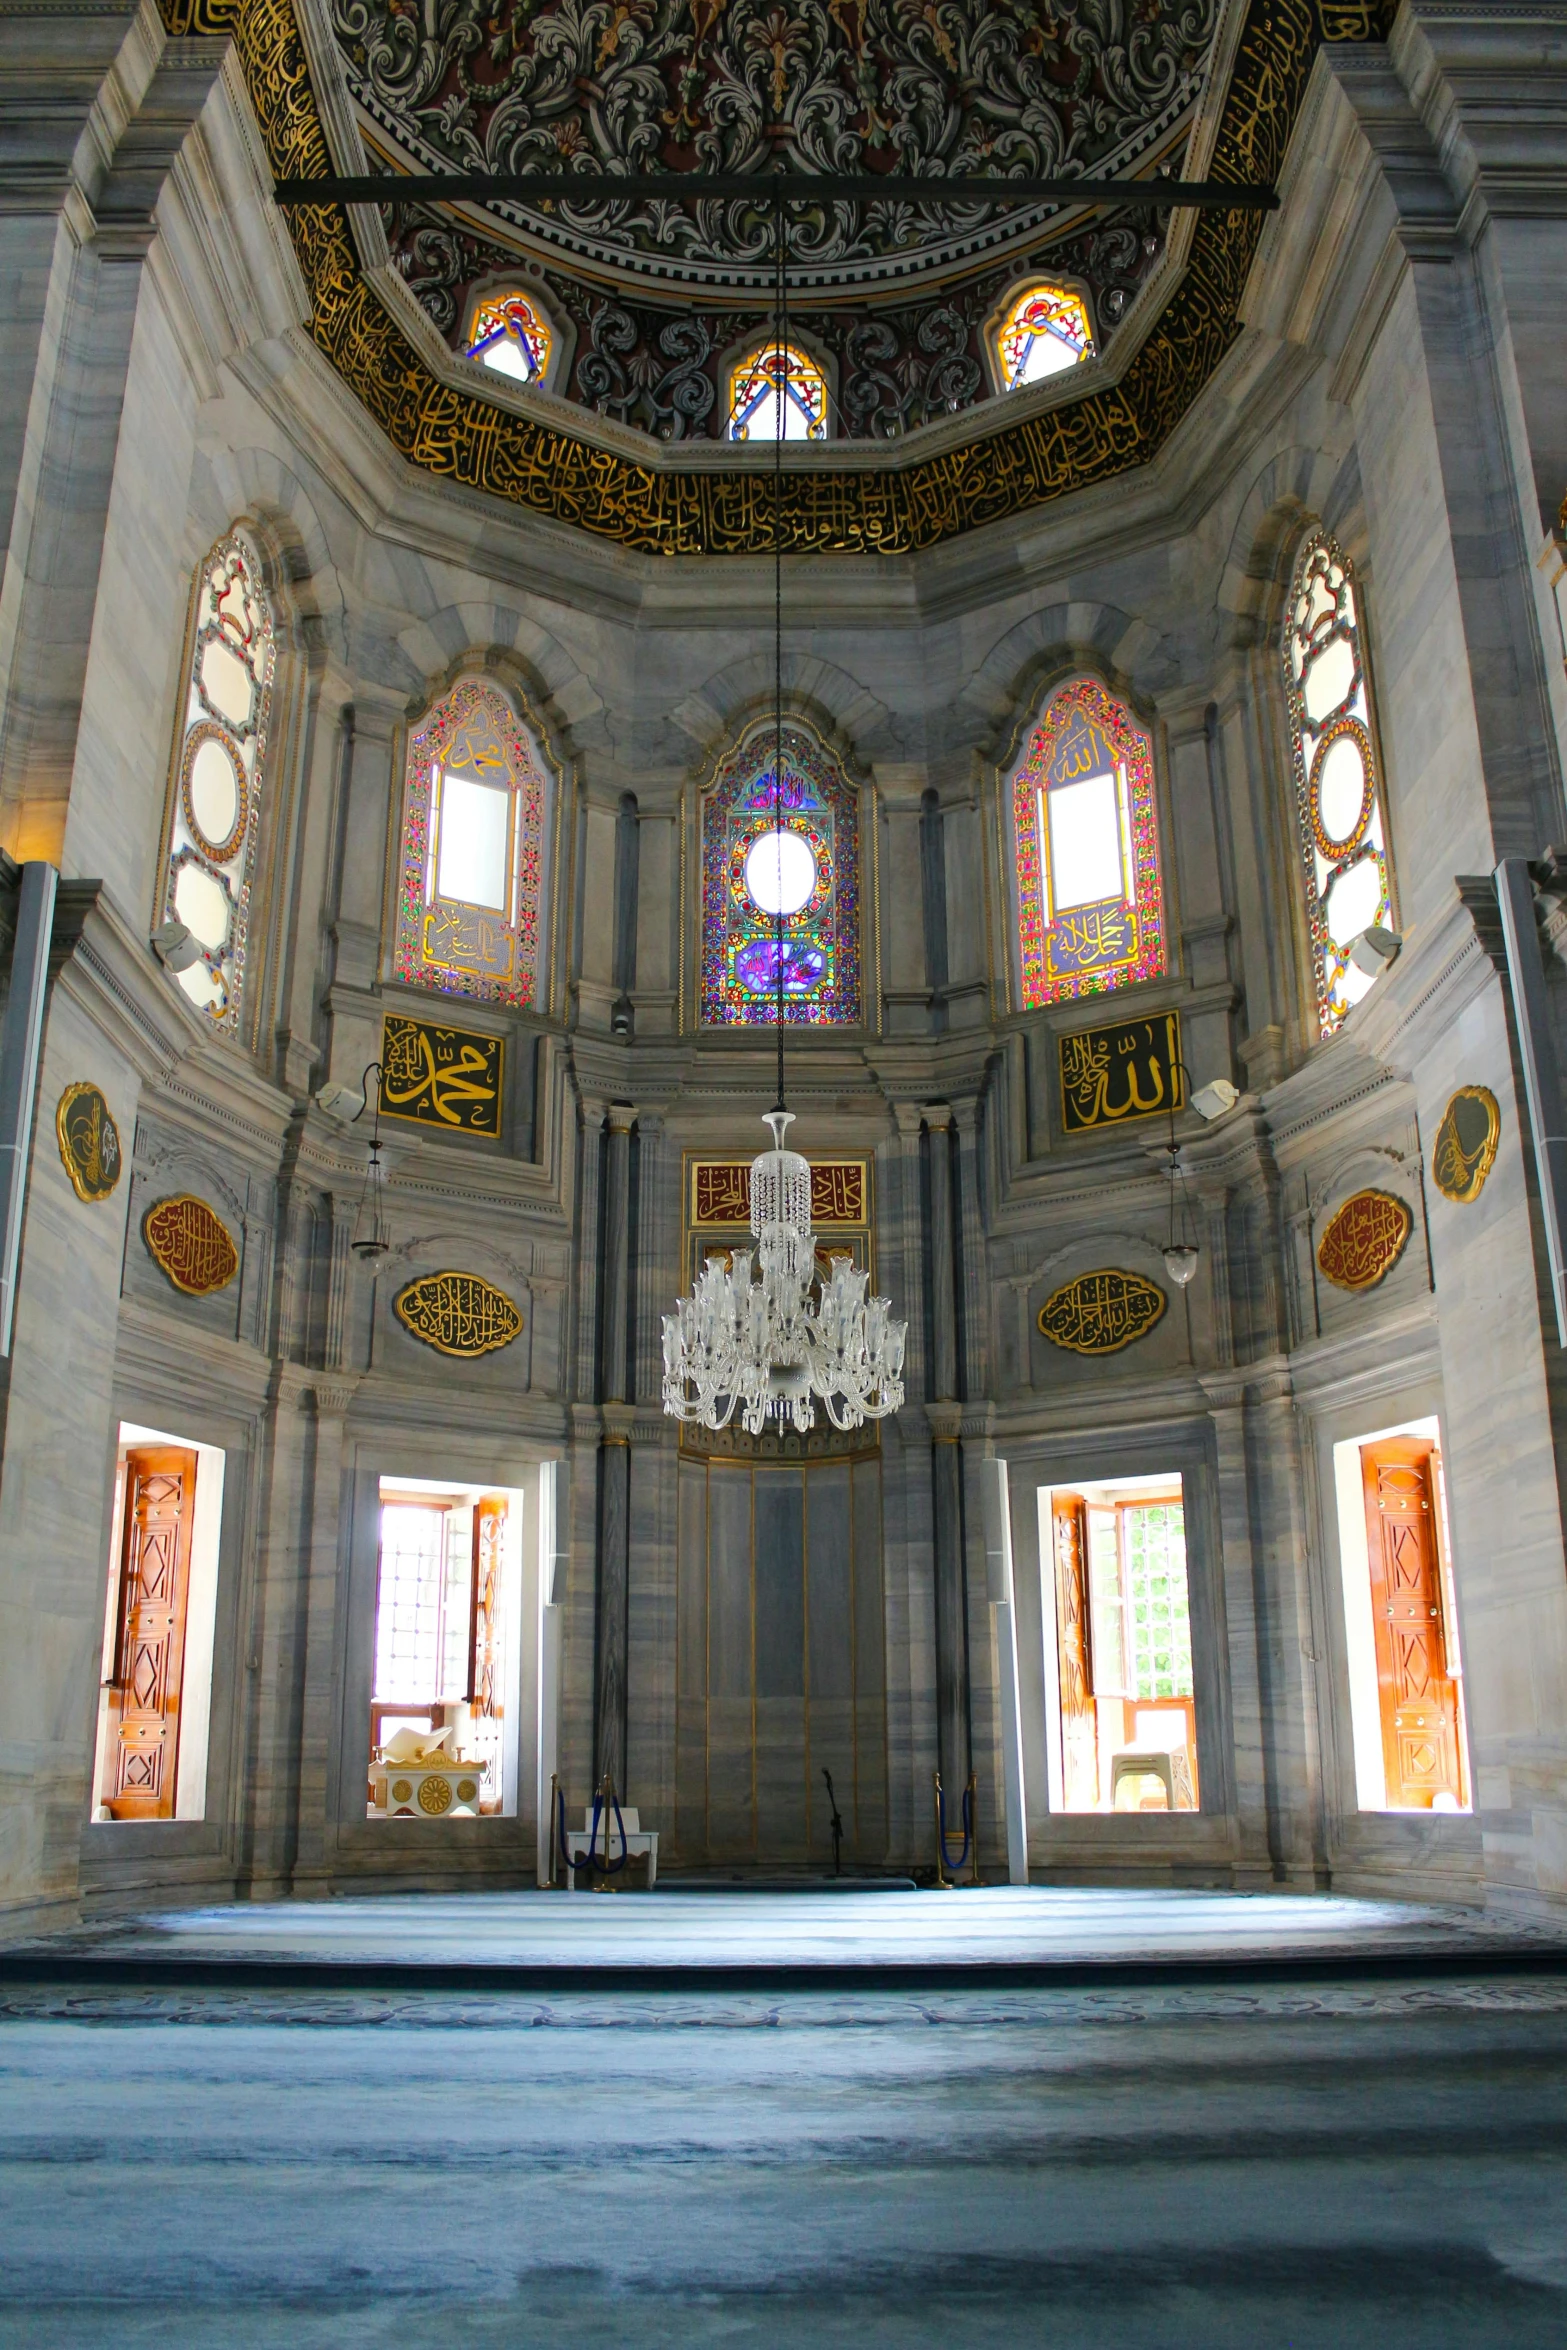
(794, 855)
(1079, 836)
(472, 879)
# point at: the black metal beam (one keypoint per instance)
(791, 187)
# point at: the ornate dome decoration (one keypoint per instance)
(895, 293)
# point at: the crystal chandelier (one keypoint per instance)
(769, 1346)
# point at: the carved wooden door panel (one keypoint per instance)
(1419, 1698)
(160, 1496)
(1074, 1653)
(485, 1641)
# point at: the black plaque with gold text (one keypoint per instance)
(1129, 1069)
(437, 1076)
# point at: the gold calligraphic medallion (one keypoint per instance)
(1099, 1313)
(1127, 1069)
(1365, 1240)
(458, 1314)
(89, 1141)
(191, 1244)
(1465, 1148)
(438, 1076)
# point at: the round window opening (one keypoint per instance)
(780, 871)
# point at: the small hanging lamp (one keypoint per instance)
(370, 1235)
(1180, 1250)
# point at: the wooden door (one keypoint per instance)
(1074, 1654)
(160, 1497)
(485, 1640)
(1419, 1697)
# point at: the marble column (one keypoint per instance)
(951, 1579)
(612, 1622)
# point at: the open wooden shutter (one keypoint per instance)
(484, 1635)
(160, 1499)
(1419, 1697)
(1074, 1653)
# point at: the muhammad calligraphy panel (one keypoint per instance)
(449, 1078)
(1131, 1069)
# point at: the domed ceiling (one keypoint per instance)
(653, 293)
(648, 296)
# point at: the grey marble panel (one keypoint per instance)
(831, 1615)
(729, 1585)
(779, 1508)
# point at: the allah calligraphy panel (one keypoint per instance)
(191, 1244)
(1131, 1069)
(1099, 1313)
(458, 1314)
(89, 1141)
(1465, 1148)
(1364, 1240)
(444, 1077)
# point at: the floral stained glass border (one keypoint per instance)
(1039, 983)
(822, 943)
(473, 702)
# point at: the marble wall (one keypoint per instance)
(1397, 379)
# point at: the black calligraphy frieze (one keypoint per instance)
(1129, 1069)
(438, 1076)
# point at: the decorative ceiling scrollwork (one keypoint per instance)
(459, 436)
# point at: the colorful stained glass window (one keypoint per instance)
(470, 899)
(794, 854)
(1338, 791)
(510, 333)
(1086, 835)
(777, 374)
(219, 775)
(1045, 331)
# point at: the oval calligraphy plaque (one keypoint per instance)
(1365, 1240)
(458, 1314)
(89, 1141)
(191, 1243)
(1465, 1147)
(1099, 1313)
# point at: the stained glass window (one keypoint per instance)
(1045, 331)
(1086, 837)
(470, 900)
(220, 774)
(778, 372)
(796, 854)
(511, 334)
(1338, 792)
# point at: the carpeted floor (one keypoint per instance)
(1336, 2161)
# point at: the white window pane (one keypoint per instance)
(780, 871)
(472, 853)
(1085, 842)
(1353, 902)
(408, 1607)
(200, 904)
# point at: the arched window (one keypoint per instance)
(220, 774)
(509, 332)
(1086, 836)
(470, 900)
(1338, 790)
(1044, 330)
(778, 372)
(763, 854)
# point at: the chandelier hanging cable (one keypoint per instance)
(772, 1347)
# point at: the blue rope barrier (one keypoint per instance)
(948, 1863)
(606, 1867)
